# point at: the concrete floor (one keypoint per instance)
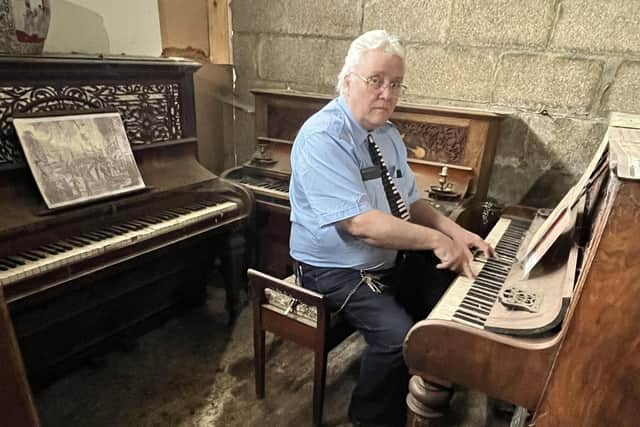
(197, 371)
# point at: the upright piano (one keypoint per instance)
(450, 151)
(561, 342)
(75, 279)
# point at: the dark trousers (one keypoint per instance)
(410, 291)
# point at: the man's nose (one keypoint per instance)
(385, 91)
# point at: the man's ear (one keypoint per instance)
(346, 84)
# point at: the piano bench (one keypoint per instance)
(295, 314)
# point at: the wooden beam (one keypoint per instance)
(220, 51)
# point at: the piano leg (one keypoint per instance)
(427, 400)
(233, 266)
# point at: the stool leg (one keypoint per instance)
(319, 380)
(258, 354)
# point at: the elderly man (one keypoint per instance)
(360, 233)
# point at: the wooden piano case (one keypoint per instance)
(582, 372)
(464, 140)
(74, 309)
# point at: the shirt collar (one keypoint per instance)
(359, 133)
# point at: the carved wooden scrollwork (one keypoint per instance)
(151, 112)
(433, 142)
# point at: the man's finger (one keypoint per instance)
(468, 255)
(442, 266)
(466, 270)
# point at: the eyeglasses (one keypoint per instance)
(377, 83)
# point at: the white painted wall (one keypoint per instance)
(110, 27)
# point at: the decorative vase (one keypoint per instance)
(23, 26)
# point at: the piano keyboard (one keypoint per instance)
(96, 242)
(278, 189)
(469, 301)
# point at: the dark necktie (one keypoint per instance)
(398, 208)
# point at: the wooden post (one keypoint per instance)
(220, 51)
(16, 403)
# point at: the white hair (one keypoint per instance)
(375, 39)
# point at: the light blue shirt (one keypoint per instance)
(327, 187)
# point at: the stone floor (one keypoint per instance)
(197, 371)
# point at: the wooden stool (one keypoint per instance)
(299, 315)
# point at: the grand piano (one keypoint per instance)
(560, 342)
(76, 279)
(450, 151)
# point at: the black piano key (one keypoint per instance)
(174, 211)
(488, 281)
(132, 225)
(492, 278)
(182, 211)
(49, 249)
(117, 230)
(164, 216)
(8, 263)
(481, 296)
(121, 229)
(150, 220)
(102, 234)
(129, 226)
(195, 208)
(91, 235)
(474, 302)
(472, 313)
(61, 248)
(35, 253)
(80, 241)
(469, 319)
(28, 256)
(487, 289)
(474, 307)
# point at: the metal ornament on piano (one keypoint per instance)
(518, 298)
(444, 189)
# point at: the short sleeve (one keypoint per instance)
(329, 175)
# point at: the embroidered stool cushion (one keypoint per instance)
(282, 303)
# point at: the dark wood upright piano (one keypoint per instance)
(561, 343)
(77, 278)
(459, 142)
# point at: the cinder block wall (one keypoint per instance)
(556, 67)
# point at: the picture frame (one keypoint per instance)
(78, 157)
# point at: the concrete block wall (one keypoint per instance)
(556, 67)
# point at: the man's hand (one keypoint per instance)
(471, 240)
(453, 256)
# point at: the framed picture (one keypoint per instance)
(78, 158)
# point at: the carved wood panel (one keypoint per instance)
(151, 112)
(433, 142)
(284, 123)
